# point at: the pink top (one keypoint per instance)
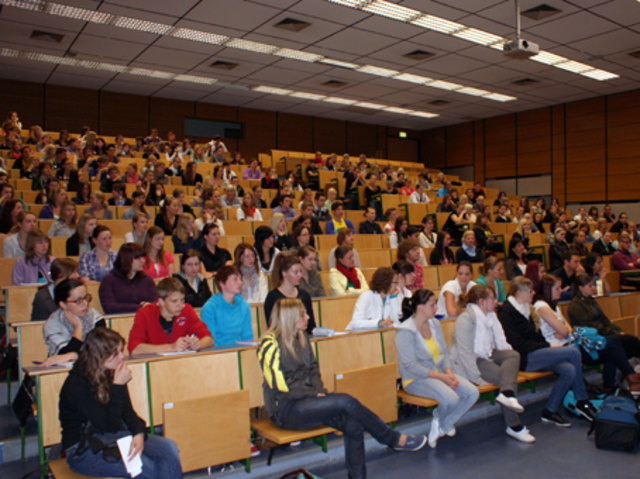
(157, 270)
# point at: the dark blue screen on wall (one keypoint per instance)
(210, 128)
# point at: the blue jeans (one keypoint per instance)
(341, 412)
(160, 460)
(452, 403)
(565, 362)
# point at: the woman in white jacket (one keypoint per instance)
(480, 353)
(378, 308)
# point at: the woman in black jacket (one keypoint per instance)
(96, 410)
(197, 289)
(537, 355)
(442, 254)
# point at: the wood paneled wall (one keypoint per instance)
(56, 107)
(590, 147)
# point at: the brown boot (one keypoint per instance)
(633, 381)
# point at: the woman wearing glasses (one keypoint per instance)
(68, 326)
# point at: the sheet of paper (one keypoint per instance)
(173, 353)
(133, 466)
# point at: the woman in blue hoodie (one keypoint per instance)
(226, 314)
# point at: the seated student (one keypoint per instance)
(392, 216)
(624, 259)
(480, 353)
(209, 214)
(558, 249)
(345, 278)
(264, 241)
(119, 196)
(344, 237)
(376, 307)
(369, 225)
(35, 265)
(197, 290)
(556, 332)
(67, 327)
(400, 232)
(296, 399)
(213, 257)
(80, 241)
(96, 263)
(65, 226)
(490, 273)
(98, 207)
(442, 254)
(137, 206)
(138, 232)
(338, 221)
(406, 272)
(419, 195)
(126, 288)
(14, 244)
(469, 251)
(424, 364)
(428, 236)
(502, 215)
(537, 355)
(248, 211)
(278, 225)
(168, 324)
(43, 304)
(185, 236)
(311, 281)
(286, 276)
(567, 273)
(517, 258)
(594, 266)
(584, 310)
(167, 218)
(409, 250)
(95, 392)
(226, 315)
(254, 281)
(452, 289)
(284, 207)
(603, 245)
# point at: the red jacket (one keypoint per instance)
(146, 327)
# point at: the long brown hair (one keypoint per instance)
(151, 232)
(99, 345)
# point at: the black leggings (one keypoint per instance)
(612, 357)
(341, 412)
(630, 344)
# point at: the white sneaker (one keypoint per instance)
(434, 433)
(510, 403)
(523, 435)
(450, 431)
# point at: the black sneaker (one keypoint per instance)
(554, 418)
(586, 410)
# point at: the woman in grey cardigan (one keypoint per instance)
(481, 353)
(424, 365)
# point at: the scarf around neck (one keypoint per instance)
(351, 274)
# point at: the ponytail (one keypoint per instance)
(409, 305)
(475, 294)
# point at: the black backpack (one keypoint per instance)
(616, 425)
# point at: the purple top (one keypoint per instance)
(248, 175)
(120, 295)
(620, 261)
(25, 272)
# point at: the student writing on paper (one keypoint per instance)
(168, 325)
(95, 411)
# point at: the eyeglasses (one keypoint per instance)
(79, 301)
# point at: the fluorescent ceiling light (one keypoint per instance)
(272, 90)
(411, 78)
(339, 63)
(478, 36)
(600, 75)
(151, 73)
(354, 3)
(337, 99)
(548, 58)
(423, 114)
(574, 67)
(307, 96)
(248, 45)
(297, 55)
(199, 36)
(24, 5)
(378, 71)
(390, 10)
(445, 85)
(473, 91)
(78, 13)
(195, 79)
(372, 106)
(395, 109)
(500, 97)
(142, 25)
(437, 24)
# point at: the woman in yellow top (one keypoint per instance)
(345, 278)
(424, 365)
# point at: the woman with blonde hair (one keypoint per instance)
(490, 273)
(296, 399)
(66, 225)
(311, 281)
(98, 207)
(248, 210)
(278, 224)
(185, 236)
(138, 233)
(35, 265)
(157, 261)
(254, 281)
(80, 241)
(209, 214)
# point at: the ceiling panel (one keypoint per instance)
(573, 27)
(357, 41)
(108, 48)
(171, 58)
(174, 7)
(228, 13)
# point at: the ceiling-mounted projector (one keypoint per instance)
(520, 49)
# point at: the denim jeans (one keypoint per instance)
(612, 357)
(341, 412)
(565, 362)
(160, 460)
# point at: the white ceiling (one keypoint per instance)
(598, 32)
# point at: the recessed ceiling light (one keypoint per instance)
(272, 90)
(600, 75)
(371, 106)
(437, 24)
(378, 71)
(195, 79)
(473, 91)
(548, 58)
(574, 67)
(78, 13)
(500, 97)
(248, 45)
(390, 10)
(199, 36)
(339, 63)
(339, 100)
(478, 36)
(411, 78)
(395, 109)
(307, 96)
(142, 25)
(445, 85)
(297, 55)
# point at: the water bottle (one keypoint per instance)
(599, 288)
(321, 332)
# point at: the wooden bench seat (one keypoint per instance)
(266, 429)
(407, 398)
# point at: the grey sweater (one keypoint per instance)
(58, 331)
(463, 358)
(414, 359)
